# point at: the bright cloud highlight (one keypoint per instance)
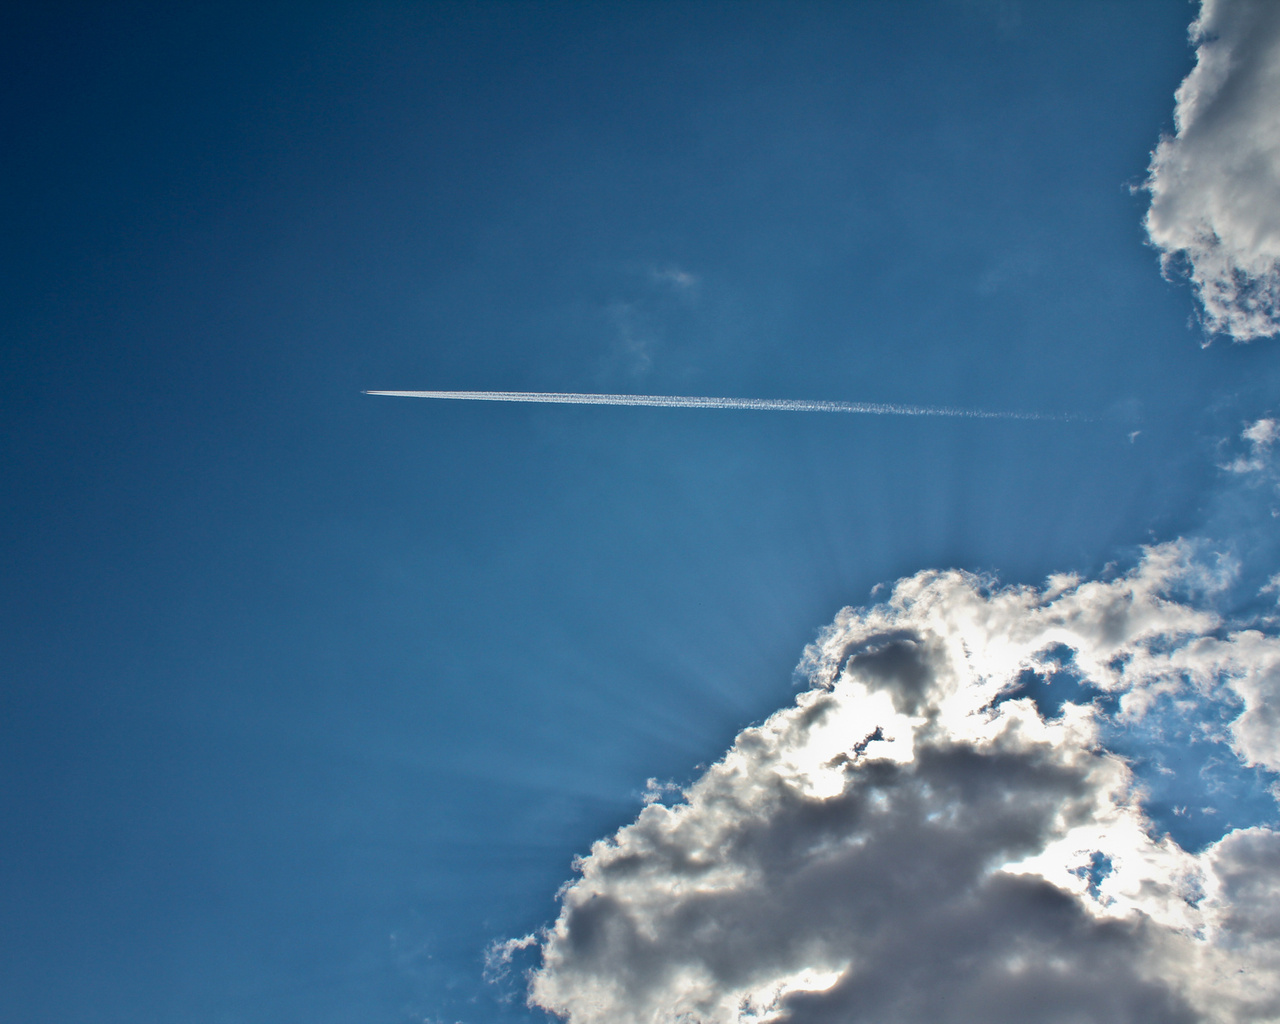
(940, 828)
(1215, 184)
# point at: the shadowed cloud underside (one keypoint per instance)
(916, 840)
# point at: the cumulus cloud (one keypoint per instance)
(1215, 184)
(925, 836)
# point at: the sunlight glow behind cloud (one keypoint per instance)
(922, 836)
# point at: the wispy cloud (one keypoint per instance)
(634, 339)
(652, 320)
(923, 836)
(675, 277)
(1260, 435)
(1215, 184)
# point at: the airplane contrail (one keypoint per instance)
(705, 402)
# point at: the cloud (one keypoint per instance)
(653, 319)
(1215, 184)
(675, 277)
(635, 339)
(924, 835)
(1260, 435)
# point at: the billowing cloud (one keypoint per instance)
(940, 828)
(1215, 184)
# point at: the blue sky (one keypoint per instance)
(311, 696)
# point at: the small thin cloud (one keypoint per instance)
(635, 338)
(499, 958)
(675, 277)
(1215, 183)
(652, 321)
(1260, 436)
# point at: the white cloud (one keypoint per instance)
(913, 840)
(1215, 184)
(1261, 435)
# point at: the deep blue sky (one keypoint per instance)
(309, 695)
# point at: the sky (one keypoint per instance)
(328, 707)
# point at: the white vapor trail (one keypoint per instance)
(705, 402)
